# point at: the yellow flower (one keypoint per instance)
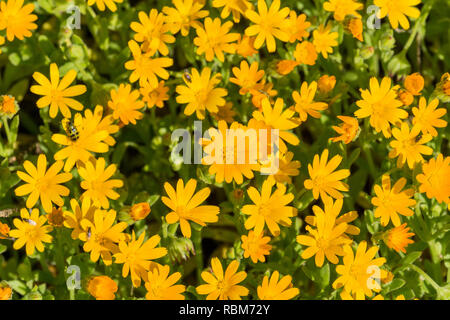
(56, 217)
(397, 10)
(184, 15)
(259, 95)
(408, 147)
(225, 113)
(247, 77)
(101, 4)
(296, 27)
(324, 181)
(355, 26)
(102, 288)
(275, 118)
(326, 83)
(186, 206)
(444, 84)
(435, 179)
(31, 231)
(223, 157)
(95, 182)
(398, 238)
(125, 104)
(44, 184)
(276, 288)
(17, 20)
(154, 96)
(72, 219)
(5, 293)
(324, 40)
(4, 230)
(360, 273)
(245, 46)
(214, 39)
(405, 97)
(328, 239)
(236, 7)
(152, 31)
(57, 93)
(285, 67)
(201, 94)
(304, 101)
(305, 53)
(268, 24)
(390, 202)
(161, 286)
(145, 69)
(101, 235)
(381, 105)
(414, 83)
(347, 130)
(426, 117)
(256, 246)
(269, 209)
(140, 211)
(343, 8)
(286, 168)
(137, 255)
(223, 286)
(93, 136)
(8, 106)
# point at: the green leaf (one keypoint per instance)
(2, 248)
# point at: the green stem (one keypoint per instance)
(7, 130)
(197, 241)
(426, 276)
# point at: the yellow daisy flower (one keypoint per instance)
(95, 182)
(102, 288)
(110, 4)
(268, 24)
(397, 10)
(324, 181)
(44, 184)
(276, 288)
(328, 239)
(296, 27)
(225, 113)
(154, 96)
(305, 53)
(223, 286)
(256, 246)
(247, 77)
(184, 16)
(5, 292)
(398, 238)
(161, 286)
(355, 27)
(324, 40)
(236, 7)
(137, 255)
(8, 106)
(408, 147)
(358, 273)
(144, 68)
(245, 46)
(390, 202)
(426, 117)
(17, 19)
(381, 105)
(93, 136)
(214, 39)
(57, 93)
(269, 209)
(31, 231)
(304, 101)
(101, 235)
(72, 219)
(348, 130)
(435, 179)
(153, 32)
(286, 168)
(125, 104)
(185, 204)
(343, 8)
(201, 94)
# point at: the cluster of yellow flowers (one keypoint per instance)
(329, 232)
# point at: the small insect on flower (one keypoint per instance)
(187, 76)
(71, 128)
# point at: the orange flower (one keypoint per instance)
(347, 130)
(245, 46)
(285, 67)
(102, 288)
(355, 26)
(56, 217)
(405, 97)
(326, 83)
(4, 230)
(140, 211)
(414, 83)
(5, 293)
(305, 53)
(398, 238)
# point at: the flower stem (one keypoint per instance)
(197, 241)
(426, 276)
